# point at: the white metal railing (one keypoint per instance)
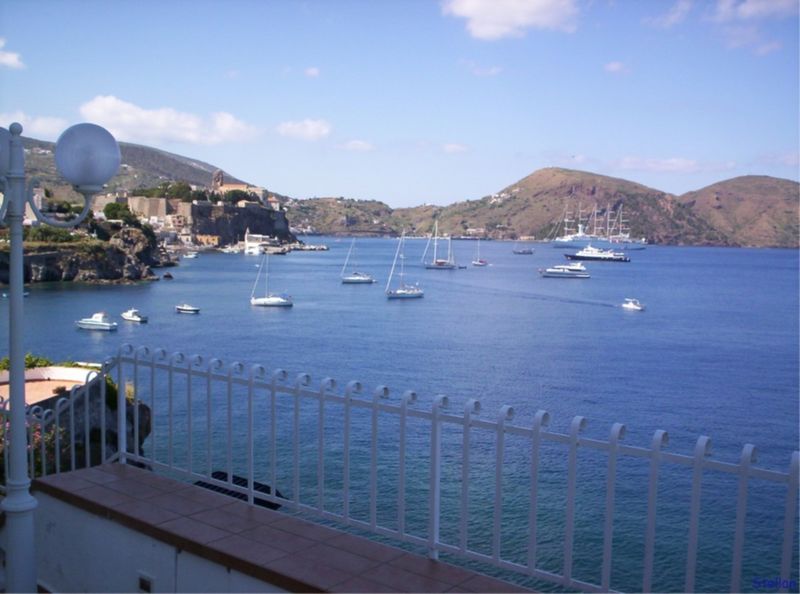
(65, 432)
(418, 475)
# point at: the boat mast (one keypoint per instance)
(258, 276)
(347, 259)
(394, 262)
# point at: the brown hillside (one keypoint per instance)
(536, 205)
(755, 210)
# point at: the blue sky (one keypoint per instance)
(418, 101)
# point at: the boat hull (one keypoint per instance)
(95, 326)
(271, 301)
(403, 295)
(550, 274)
(356, 279)
(580, 257)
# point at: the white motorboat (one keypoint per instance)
(269, 299)
(98, 321)
(355, 277)
(134, 315)
(591, 253)
(187, 309)
(403, 290)
(573, 270)
(190, 255)
(632, 304)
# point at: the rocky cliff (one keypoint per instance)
(127, 257)
(230, 222)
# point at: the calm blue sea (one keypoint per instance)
(716, 352)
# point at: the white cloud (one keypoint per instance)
(479, 70)
(496, 19)
(789, 159)
(42, 127)
(746, 10)
(360, 146)
(616, 68)
(305, 129)
(453, 147)
(768, 48)
(129, 122)
(677, 14)
(312, 72)
(671, 165)
(9, 59)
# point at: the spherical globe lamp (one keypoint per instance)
(87, 155)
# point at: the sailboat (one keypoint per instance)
(354, 277)
(438, 263)
(403, 290)
(269, 299)
(478, 261)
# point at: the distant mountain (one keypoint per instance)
(141, 167)
(756, 210)
(744, 211)
(752, 210)
(537, 204)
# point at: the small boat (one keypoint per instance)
(98, 321)
(403, 290)
(597, 255)
(574, 270)
(478, 261)
(269, 299)
(438, 263)
(190, 255)
(632, 304)
(522, 251)
(24, 294)
(187, 309)
(134, 315)
(167, 276)
(355, 277)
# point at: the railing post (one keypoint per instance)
(578, 424)
(617, 433)
(122, 432)
(790, 519)
(408, 397)
(352, 387)
(381, 392)
(256, 372)
(471, 407)
(701, 450)
(506, 414)
(748, 457)
(541, 420)
(434, 507)
(327, 385)
(660, 439)
(213, 365)
(279, 375)
(301, 381)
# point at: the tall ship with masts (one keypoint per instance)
(601, 231)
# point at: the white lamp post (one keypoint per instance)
(87, 156)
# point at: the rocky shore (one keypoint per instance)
(127, 257)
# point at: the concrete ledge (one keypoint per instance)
(273, 547)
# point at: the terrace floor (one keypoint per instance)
(271, 546)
